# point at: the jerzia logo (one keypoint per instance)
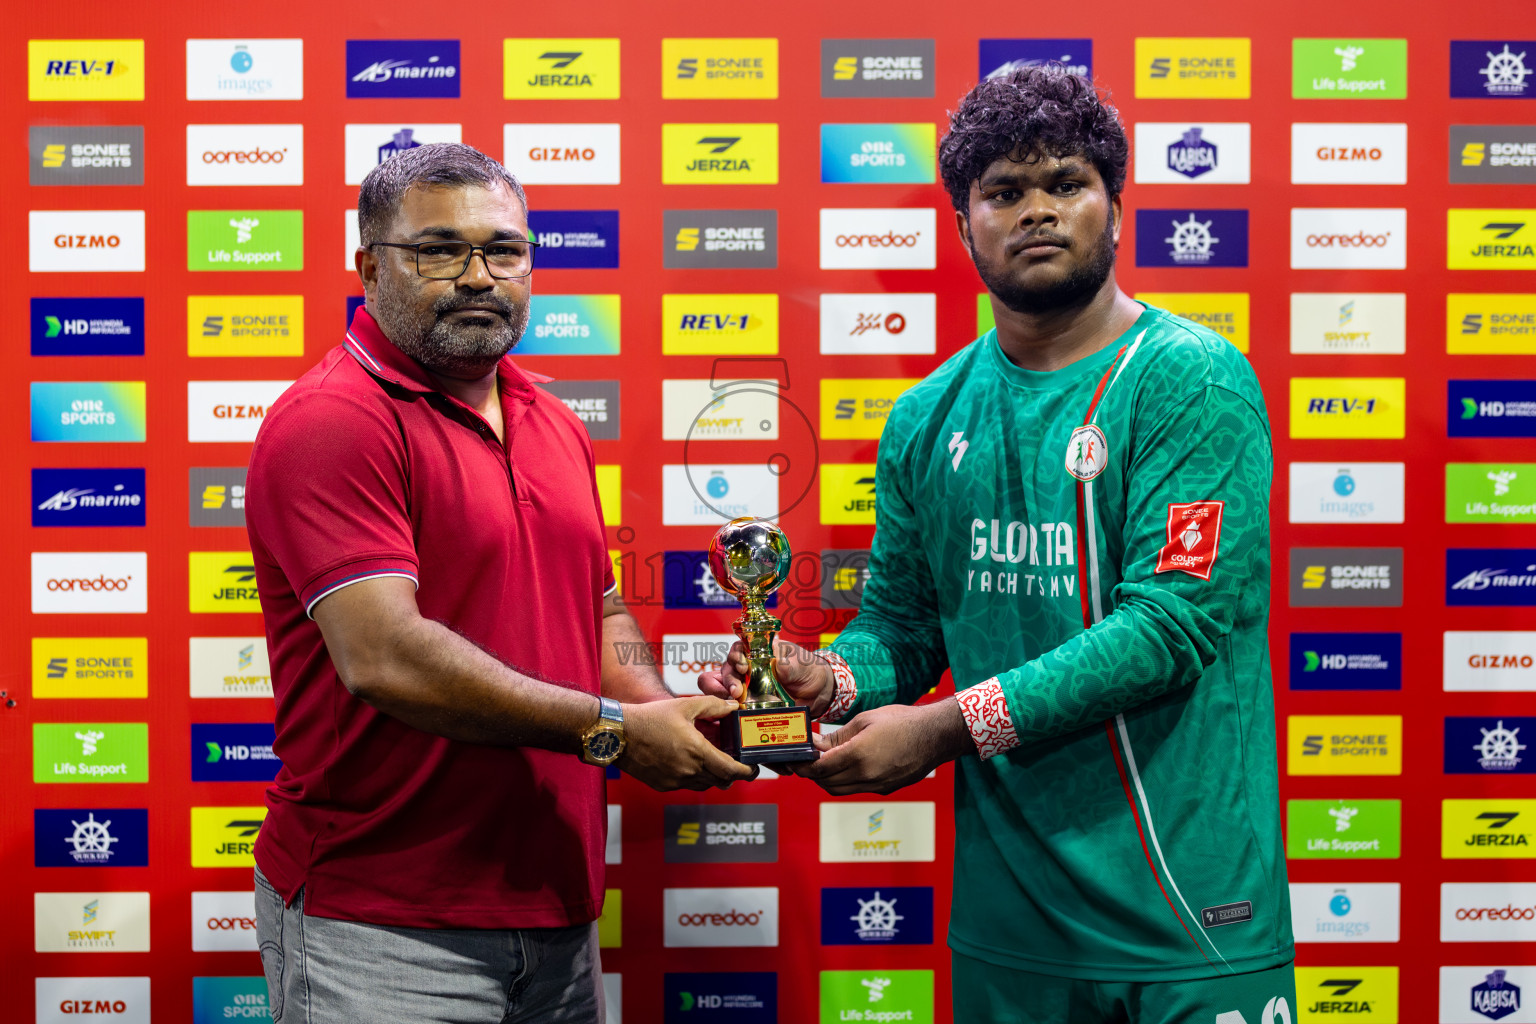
(560, 69)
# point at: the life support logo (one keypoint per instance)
(1087, 452)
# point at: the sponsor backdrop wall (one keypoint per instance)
(746, 257)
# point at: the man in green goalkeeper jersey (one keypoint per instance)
(1072, 515)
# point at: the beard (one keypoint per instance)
(450, 348)
(1075, 289)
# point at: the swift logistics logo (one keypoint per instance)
(368, 145)
(1499, 661)
(1486, 577)
(720, 917)
(92, 922)
(876, 68)
(87, 327)
(847, 492)
(1487, 829)
(1368, 912)
(878, 995)
(89, 582)
(857, 408)
(229, 410)
(878, 323)
(878, 239)
(85, 69)
(1490, 492)
(402, 68)
(1343, 829)
(1484, 239)
(562, 154)
(572, 239)
(229, 666)
(88, 411)
(892, 915)
(1335, 153)
(733, 834)
(999, 57)
(1182, 152)
(735, 69)
(1349, 323)
(726, 997)
(1349, 239)
(1191, 238)
(245, 154)
(85, 241)
(1363, 995)
(720, 239)
(878, 153)
(1348, 407)
(221, 581)
(224, 837)
(1488, 746)
(90, 752)
(245, 325)
(573, 325)
(594, 402)
(1172, 68)
(1346, 661)
(234, 752)
(1346, 577)
(1225, 313)
(890, 830)
(560, 69)
(90, 837)
(1493, 325)
(88, 497)
(719, 154)
(96, 155)
(1491, 408)
(1369, 69)
(90, 667)
(1362, 492)
(715, 410)
(1492, 154)
(719, 324)
(1477, 995)
(1496, 69)
(1344, 745)
(245, 69)
(245, 239)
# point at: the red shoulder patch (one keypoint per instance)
(1194, 534)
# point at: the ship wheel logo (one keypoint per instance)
(1506, 71)
(1500, 747)
(1192, 240)
(876, 918)
(92, 840)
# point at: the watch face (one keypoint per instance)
(604, 745)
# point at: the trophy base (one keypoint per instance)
(768, 735)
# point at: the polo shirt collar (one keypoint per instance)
(367, 344)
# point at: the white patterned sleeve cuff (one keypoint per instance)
(986, 715)
(847, 690)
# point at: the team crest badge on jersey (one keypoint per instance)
(1087, 452)
(1194, 533)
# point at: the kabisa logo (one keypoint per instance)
(1337, 577)
(1495, 997)
(368, 145)
(1484, 577)
(245, 69)
(560, 69)
(1193, 68)
(1192, 156)
(91, 837)
(397, 68)
(1181, 153)
(1346, 661)
(1344, 745)
(234, 753)
(719, 324)
(888, 916)
(85, 155)
(88, 411)
(595, 403)
(1375, 69)
(245, 239)
(85, 241)
(688, 583)
(1343, 829)
(738, 997)
(720, 917)
(1493, 69)
(704, 834)
(229, 666)
(1491, 408)
(90, 752)
(1483, 324)
(219, 999)
(88, 497)
(571, 239)
(577, 325)
(1477, 746)
(879, 153)
(1484, 239)
(85, 69)
(225, 836)
(999, 57)
(1191, 238)
(562, 154)
(1346, 913)
(720, 239)
(719, 68)
(876, 68)
(87, 327)
(89, 667)
(719, 154)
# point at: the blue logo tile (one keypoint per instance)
(886, 915)
(1191, 238)
(575, 239)
(1493, 69)
(1346, 661)
(1000, 56)
(1481, 577)
(1491, 408)
(727, 997)
(688, 583)
(87, 327)
(234, 752)
(91, 837)
(88, 497)
(402, 68)
(1489, 745)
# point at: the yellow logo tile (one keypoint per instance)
(85, 69)
(1344, 745)
(708, 324)
(95, 666)
(610, 926)
(1347, 407)
(221, 581)
(610, 491)
(1193, 68)
(727, 69)
(719, 154)
(1362, 995)
(223, 837)
(560, 69)
(1487, 828)
(1490, 239)
(1226, 313)
(847, 492)
(1493, 325)
(245, 325)
(857, 408)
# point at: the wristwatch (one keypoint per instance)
(603, 741)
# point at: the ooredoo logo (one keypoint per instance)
(1363, 239)
(224, 921)
(84, 582)
(853, 239)
(245, 154)
(1487, 912)
(721, 917)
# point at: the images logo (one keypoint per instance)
(719, 69)
(905, 996)
(99, 155)
(1346, 913)
(1490, 239)
(857, 408)
(245, 325)
(719, 154)
(1365, 492)
(88, 497)
(87, 327)
(572, 325)
(888, 916)
(1191, 238)
(562, 154)
(878, 239)
(1372, 69)
(855, 832)
(221, 581)
(889, 153)
(595, 403)
(1349, 154)
(1488, 492)
(878, 323)
(229, 666)
(90, 752)
(1331, 239)
(398, 68)
(560, 69)
(1343, 829)
(1481, 324)
(88, 582)
(848, 492)
(738, 997)
(1178, 152)
(1344, 323)
(1493, 69)
(720, 239)
(1489, 661)
(575, 238)
(245, 69)
(225, 836)
(91, 838)
(734, 834)
(1345, 745)
(720, 324)
(85, 241)
(1346, 577)
(368, 145)
(1491, 408)
(1346, 661)
(89, 667)
(1225, 313)
(881, 68)
(720, 917)
(85, 69)
(88, 411)
(234, 753)
(245, 239)
(1347, 407)
(229, 410)
(710, 495)
(1193, 68)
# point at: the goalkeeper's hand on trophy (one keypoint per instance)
(806, 678)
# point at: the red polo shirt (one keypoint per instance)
(366, 470)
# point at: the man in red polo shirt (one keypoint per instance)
(442, 615)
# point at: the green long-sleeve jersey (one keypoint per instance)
(1096, 540)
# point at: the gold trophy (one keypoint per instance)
(749, 557)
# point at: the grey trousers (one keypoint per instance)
(324, 971)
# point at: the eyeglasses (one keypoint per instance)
(444, 261)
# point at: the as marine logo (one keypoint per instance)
(1087, 452)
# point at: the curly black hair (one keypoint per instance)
(1031, 112)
